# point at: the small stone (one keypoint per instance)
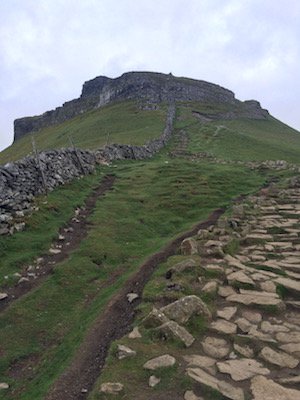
(270, 328)
(215, 347)
(227, 313)
(291, 347)
(135, 333)
(163, 361)
(4, 385)
(291, 337)
(204, 362)
(23, 280)
(153, 381)
(252, 316)
(245, 351)
(268, 286)
(239, 277)
(112, 387)
(3, 296)
(210, 287)
(223, 326)
(125, 352)
(54, 251)
(174, 330)
(225, 291)
(189, 247)
(190, 395)
(243, 324)
(131, 297)
(278, 358)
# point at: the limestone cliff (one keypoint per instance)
(147, 88)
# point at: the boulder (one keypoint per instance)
(154, 318)
(153, 381)
(278, 358)
(243, 369)
(112, 388)
(226, 389)
(183, 309)
(163, 361)
(173, 330)
(215, 347)
(125, 352)
(189, 247)
(266, 389)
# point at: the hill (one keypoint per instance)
(205, 219)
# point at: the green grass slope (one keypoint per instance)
(122, 123)
(239, 139)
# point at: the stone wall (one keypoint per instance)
(147, 88)
(21, 181)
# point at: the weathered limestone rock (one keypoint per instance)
(289, 284)
(111, 388)
(210, 287)
(163, 361)
(225, 291)
(265, 299)
(227, 313)
(245, 351)
(135, 333)
(267, 327)
(154, 318)
(291, 348)
(153, 381)
(183, 266)
(226, 389)
(173, 330)
(3, 296)
(239, 277)
(125, 352)
(278, 358)
(189, 247)
(223, 326)
(239, 370)
(132, 296)
(252, 316)
(291, 337)
(266, 389)
(183, 309)
(204, 362)
(243, 324)
(190, 395)
(268, 286)
(215, 347)
(4, 386)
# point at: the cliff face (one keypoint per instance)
(148, 88)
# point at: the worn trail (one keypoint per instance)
(113, 323)
(70, 237)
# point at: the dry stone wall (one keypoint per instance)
(21, 181)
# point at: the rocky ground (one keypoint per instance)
(248, 292)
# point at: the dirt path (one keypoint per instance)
(79, 378)
(70, 235)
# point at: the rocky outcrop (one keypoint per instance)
(149, 89)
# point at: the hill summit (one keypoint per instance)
(149, 89)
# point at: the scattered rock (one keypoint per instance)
(291, 347)
(190, 395)
(290, 284)
(225, 291)
(4, 386)
(265, 299)
(23, 280)
(223, 326)
(223, 387)
(153, 381)
(54, 251)
(267, 327)
(154, 318)
(245, 351)
(3, 296)
(291, 337)
(135, 333)
(125, 352)
(189, 247)
(239, 277)
(243, 369)
(243, 324)
(266, 389)
(160, 362)
(227, 313)
(132, 296)
(183, 309)
(210, 287)
(252, 316)
(204, 362)
(112, 387)
(183, 266)
(278, 358)
(216, 348)
(174, 330)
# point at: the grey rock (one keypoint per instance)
(163, 361)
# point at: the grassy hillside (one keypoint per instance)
(240, 139)
(116, 123)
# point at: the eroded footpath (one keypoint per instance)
(222, 318)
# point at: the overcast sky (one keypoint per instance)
(48, 48)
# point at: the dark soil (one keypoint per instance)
(79, 378)
(74, 232)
